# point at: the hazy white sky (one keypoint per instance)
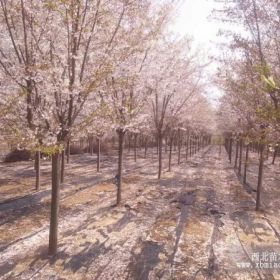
(194, 19)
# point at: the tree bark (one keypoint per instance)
(246, 164)
(62, 166)
(68, 151)
(135, 147)
(236, 154)
(38, 169)
(98, 154)
(240, 156)
(275, 154)
(260, 177)
(170, 154)
(54, 204)
(230, 150)
(159, 155)
(120, 166)
(179, 148)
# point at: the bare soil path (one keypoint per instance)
(198, 222)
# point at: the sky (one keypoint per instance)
(193, 19)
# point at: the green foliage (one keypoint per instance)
(262, 70)
(268, 113)
(51, 150)
(51, 5)
(269, 83)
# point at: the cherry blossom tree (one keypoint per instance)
(251, 81)
(54, 55)
(174, 80)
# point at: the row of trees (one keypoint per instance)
(72, 69)
(250, 77)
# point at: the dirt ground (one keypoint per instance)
(197, 222)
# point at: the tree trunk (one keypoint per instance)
(275, 154)
(230, 150)
(38, 169)
(170, 154)
(236, 154)
(240, 156)
(246, 164)
(226, 145)
(179, 151)
(120, 165)
(260, 177)
(62, 172)
(68, 151)
(54, 203)
(159, 155)
(98, 154)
